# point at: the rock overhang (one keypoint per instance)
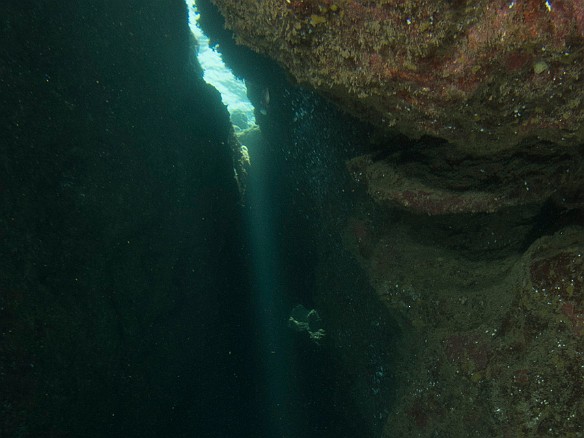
(485, 76)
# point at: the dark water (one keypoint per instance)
(136, 298)
(295, 201)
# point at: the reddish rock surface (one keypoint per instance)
(484, 75)
(495, 345)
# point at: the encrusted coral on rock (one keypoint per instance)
(484, 75)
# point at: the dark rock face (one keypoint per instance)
(119, 226)
(494, 332)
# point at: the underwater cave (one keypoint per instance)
(295, 218)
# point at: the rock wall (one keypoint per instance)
(120, 241)
(467, 229)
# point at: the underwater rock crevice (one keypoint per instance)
(122, 229)
(445, 228)
(438, 180)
